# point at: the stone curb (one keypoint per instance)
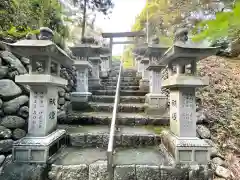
(121, 108)
(96, 119)
(122, 93)
(123, 140)
(125, 99)
(98, 171)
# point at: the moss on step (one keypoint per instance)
(156, 129)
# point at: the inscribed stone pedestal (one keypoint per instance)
(43, 111)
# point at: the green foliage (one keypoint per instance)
(20, 17)
(18, 33)
(116, 58)
(102, 6)
(128, 56)
(226, 24)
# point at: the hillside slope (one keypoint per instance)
(221, 106)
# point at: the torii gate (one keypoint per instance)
(120, 35)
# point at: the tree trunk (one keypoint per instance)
(84, 18)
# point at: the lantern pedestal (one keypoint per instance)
(144, 82)
(80, 98)
(156, 102)
(94, 80)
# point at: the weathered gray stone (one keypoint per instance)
(223, 172)
(218, 161)
(67, 96)
(12, 106)
(13, 122)
(25, 88)
(200, 117)
(18, 134)
(200, 173)
(105, 139)
(2, 158)
(13, 61)
(94, 139)
(1, 103)
(203, 132)
(125, 172)
(61, 116)
(77, 139)
(5, 133)
(1, 113)
(9, 89)
(70, 172)
(25, 61)
(61, 92)
(12, 74)
(6, 145)
(23, 171)
(214, 149)
(23, 112)
(3, 71)
(98, 170)
(146, 172)
(61, 101)
(174, 173)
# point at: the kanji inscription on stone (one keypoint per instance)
(188, 100)
(174, 103)
(187, 119)
(36, 121)
(174, 116)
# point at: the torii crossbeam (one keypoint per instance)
(112, 35)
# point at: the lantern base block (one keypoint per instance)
(186, 150)
(38, 149)
(144, 85)
(156, 104)
(94, 82)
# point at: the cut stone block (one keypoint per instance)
(94, 82)
(73, 172)
(98, 170)
(125, 172)
(156, 104)
(144, 85)
(186, 150)
(147, 172)
(38, 149)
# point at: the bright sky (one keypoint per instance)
(121, 19)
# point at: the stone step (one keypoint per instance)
(109, 87)
(98, 136)
(107, 81)
(114, 83)
(123, 99)
(129, 164)
(108, 107)
(124, 79)
(134, 88)
(104, 118)
(122, 92)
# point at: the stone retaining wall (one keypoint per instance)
(14, 99)
(98, 170)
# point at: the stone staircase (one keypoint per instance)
(137, 154)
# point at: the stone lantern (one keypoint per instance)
(156, 101)
(181, 141)
(105, 64)
(139, 52)
(95, 59)
(43, 138)
(80, 98)
(144, 82)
